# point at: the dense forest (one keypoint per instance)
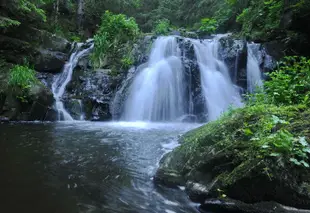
(258, 20)
(88, 60)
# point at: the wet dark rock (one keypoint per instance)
(189, 119)
(234, 54)
(4, 119)
(36, 106)
(76, 108)
(197, 192)
(48, 61)
(45, 78)
(193, 79)
(142, 49)
(32, 44)
(276, 49)
(175, 33)
(14, 50)
(233, 206)
(95, 89)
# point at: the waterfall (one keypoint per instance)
(163, 91)
(254, 78)
(218, 89)
(157, 92)
(60, 81)
(82, 115)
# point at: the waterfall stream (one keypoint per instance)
(160, 91)
(157, 93)
(218, 89)
(254, 77)
(61, 81)
(176, 84)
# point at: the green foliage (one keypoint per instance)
(127, 62)
(290, 82)
(28, 6)
(280, 144)
(261, 18)
(162, 27)
(75, 38)
(22, 10)
(21, 79)
(208, 25)
(7, 22)
(114, 32)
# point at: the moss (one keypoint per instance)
(246, 154)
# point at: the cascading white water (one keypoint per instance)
(82, 116)
(218, 89)
(61, 80)
(254, 78)
(157, 92)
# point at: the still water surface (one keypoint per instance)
(87, 167)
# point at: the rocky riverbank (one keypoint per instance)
(232, 158)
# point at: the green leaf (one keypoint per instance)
(305, 164)
(302, 141)
(307, 150)
(295, 161)
(248, 132)
(274, 154)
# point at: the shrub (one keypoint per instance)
(261, 18)
(127, 62)
(208, 25)
(290, 82)
(114, 32)
(21, 79)
(162, 27)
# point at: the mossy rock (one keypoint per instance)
(225, 157)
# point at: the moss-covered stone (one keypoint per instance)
(230, 157)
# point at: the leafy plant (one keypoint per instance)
(261, 18)
(290, 82)
(21, 79)
(75, 38)
(114, 32)
(162, 27)
(127, 62)
(208, 25)
(7, 22)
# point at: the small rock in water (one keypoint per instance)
(233, 206)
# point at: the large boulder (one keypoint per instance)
(234, 53)
(90, 92)
(230, 157)
(37, 105)
(46, 51)
(48, 61)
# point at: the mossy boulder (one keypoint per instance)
(238, 156)
(15, 105)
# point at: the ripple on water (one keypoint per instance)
(92, 167)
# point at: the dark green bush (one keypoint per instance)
(290, 82)
(208, 25)
(162, 27)
(21, 79)
(114, 32)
